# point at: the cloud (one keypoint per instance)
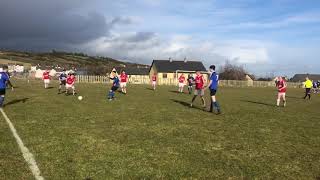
(143, 47)
(55, 24)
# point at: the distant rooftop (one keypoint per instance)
(302, 77)
(172, 65)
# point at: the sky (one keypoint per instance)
(274, 37)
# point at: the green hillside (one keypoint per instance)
(92, 65)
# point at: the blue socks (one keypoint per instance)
(215, 105)
(111, 94)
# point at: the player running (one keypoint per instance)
(182, 80)
(46, 78)
(115, 86)
(63, 80)
(308, 86)
(190, 83)
(282, 89)
(199, 89)
(4, 81)
(123, 82)
(213, 87)
(71, 79)
(154, 81)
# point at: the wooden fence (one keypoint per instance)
(146, 80)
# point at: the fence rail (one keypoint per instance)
(146, 80)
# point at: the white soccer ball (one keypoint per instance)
(80, 98)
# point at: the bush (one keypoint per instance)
(232, 72)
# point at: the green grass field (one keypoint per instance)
(156, 135)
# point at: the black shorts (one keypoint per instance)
(2, 92)
(308, 90)
(114, 88)
(213, 92)
(63, 82)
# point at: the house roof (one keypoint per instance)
(137, 71)
(173, 66)
(302, 77)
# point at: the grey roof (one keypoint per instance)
(302, 77)
(137, 71)
(173, 66)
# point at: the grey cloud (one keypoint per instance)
(44, 24)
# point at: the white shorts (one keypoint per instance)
(154, 82)
(181, 85)
(70, 86)
(281, 94)
(123, 84)
(46, 81)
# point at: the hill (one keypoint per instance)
(89, 64)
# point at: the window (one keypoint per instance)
(164, 75)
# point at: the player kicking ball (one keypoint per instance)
(182, 80)
(282, 88)
(123, 82)
(213, 87)
(199, 89)
(4, 81)
(46, 78)
(154, 81)
(63, 81)
(71, 79)
(115, 86)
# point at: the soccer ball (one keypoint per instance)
(80, 98)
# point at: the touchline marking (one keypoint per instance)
(28, 156)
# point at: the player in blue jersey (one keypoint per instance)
(4, 81)
(63, 80)
(115, 86)
(213, 87)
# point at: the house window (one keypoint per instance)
(164, 75)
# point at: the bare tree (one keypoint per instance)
(232, 72)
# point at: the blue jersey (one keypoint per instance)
(214, 81)
(63, 77)
(3, 80)
(116, 81)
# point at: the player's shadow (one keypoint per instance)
(173, 91)
(151, 89)
(187, 104)
(49, 87)
(293, 97)
(23, 100)
(256, 102)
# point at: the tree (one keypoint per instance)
(232, 72)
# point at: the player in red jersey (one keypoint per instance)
(182, 80)
(154, 81)
(71, 79)
(199, 89)
(46, 78)
(123, 82)
(282, 89)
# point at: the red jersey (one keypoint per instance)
(182, 79)
(123, 77)
(280, 86)
(154, 78)
(199, 82)
(71, 80)
(46, 75)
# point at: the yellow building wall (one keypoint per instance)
(171, 77)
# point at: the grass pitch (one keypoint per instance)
(156, 135)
